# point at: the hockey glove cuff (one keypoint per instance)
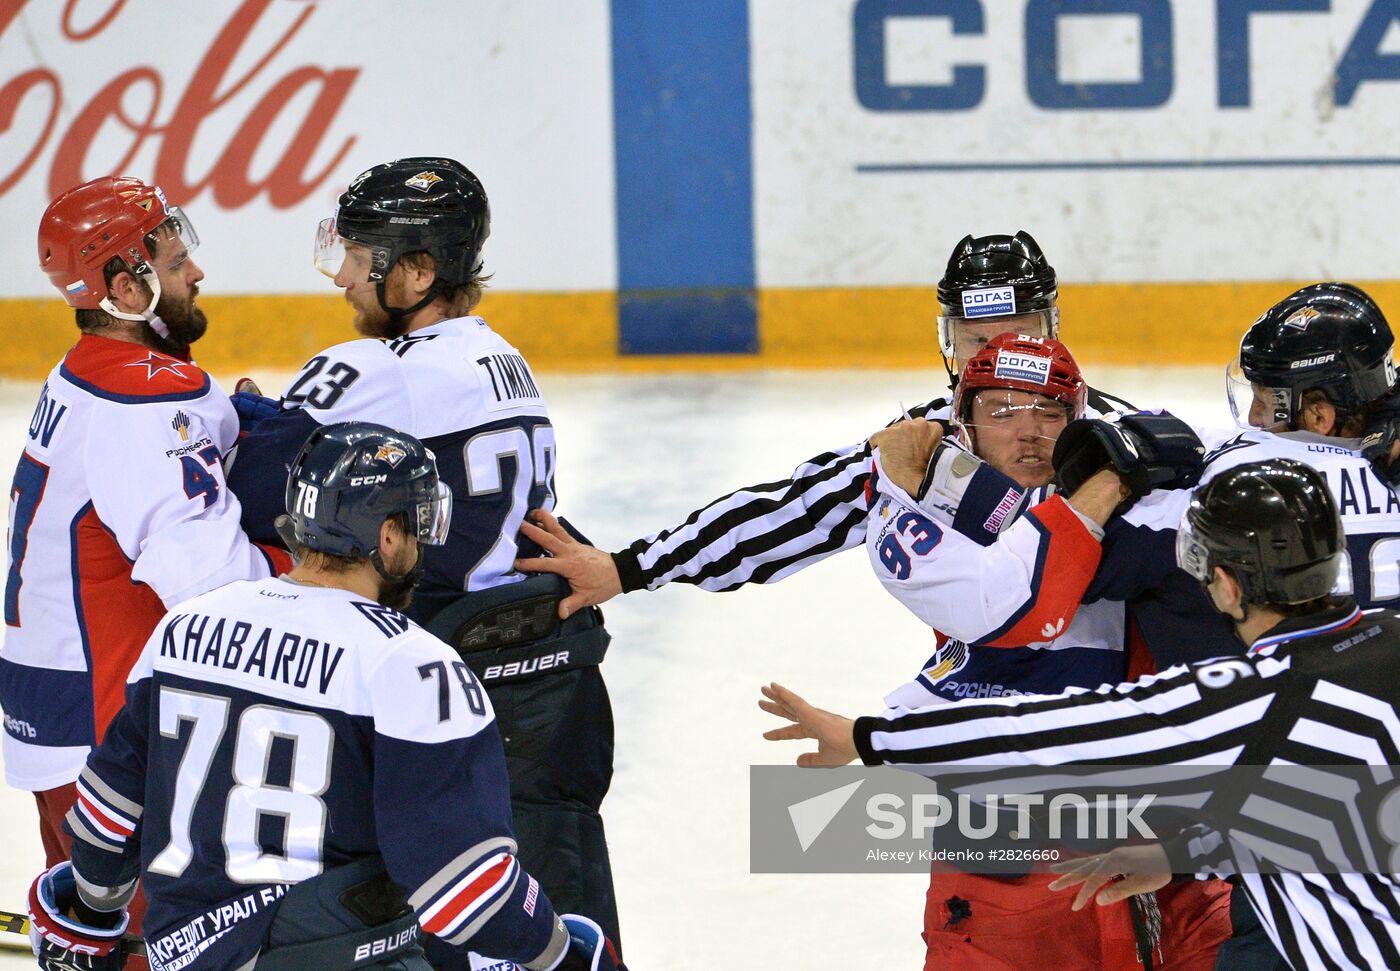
(1150, 450)
(63, 943)
(589, 948)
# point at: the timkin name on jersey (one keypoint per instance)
(292, 659)
(510, 376)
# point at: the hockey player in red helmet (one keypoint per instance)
(119, 252)
(1014, 398)
(120, 506)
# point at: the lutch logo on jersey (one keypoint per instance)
(1023, 367)
(989, 302)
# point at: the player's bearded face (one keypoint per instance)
(406, 567)
(371, 319)
(179, 285)
(1015, 433)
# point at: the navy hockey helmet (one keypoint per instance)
(1272, 524)
(411, 205)
(351, 476)
(1329, 337)
(995, 280)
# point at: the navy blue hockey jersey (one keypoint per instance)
(273, 730)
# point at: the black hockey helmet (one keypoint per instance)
(351, 476)
(1328, 336)
(1273, 524)
(990, 277)
(411, 205)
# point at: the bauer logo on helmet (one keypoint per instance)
(1023, 367)
(989, 302)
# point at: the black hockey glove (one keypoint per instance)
(1150, 450)
(1380, 437)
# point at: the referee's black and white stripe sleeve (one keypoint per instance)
(760, 533)
(763, 533)
(1208, 711)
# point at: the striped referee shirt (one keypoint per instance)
(765, 532)
(1315, 691)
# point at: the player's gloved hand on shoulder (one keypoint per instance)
(251, 405)
(253, 408)
(1149, 450)
(1380, 441)
(63, 943)
(589, 948)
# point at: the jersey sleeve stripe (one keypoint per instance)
(451, 873)
(110, 822)
(108, 796)
(77, 821)
(471, 895)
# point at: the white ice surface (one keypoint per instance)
(638, 453)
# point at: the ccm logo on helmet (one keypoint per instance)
(989, 302)
(1023, 367)
(367, 479)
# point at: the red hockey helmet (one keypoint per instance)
(1041, 365)
(83, 229)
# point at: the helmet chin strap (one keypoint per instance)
(413, 573)
(403, 313)
(149, 314)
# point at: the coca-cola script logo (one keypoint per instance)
(207, 91)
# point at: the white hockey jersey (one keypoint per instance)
(1370, 513)
(118, 508)
(1006, 610)
(469, 396)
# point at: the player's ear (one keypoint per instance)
(391, 537)
(1225, 591)
(127, 292)
(418, 275)
(1319, 417)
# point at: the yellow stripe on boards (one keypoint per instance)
(874, 327)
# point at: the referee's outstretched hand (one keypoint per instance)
(1127, 870)
(835, 735)
(591, 572)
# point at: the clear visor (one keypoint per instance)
(959, 338)
(1255, 405)
(330, 251)
(1005, 408)
(1191, 554)
(435, 517)
(175, 239)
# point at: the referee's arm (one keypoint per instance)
(1211, 710)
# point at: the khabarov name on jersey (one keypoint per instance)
(293, 658)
